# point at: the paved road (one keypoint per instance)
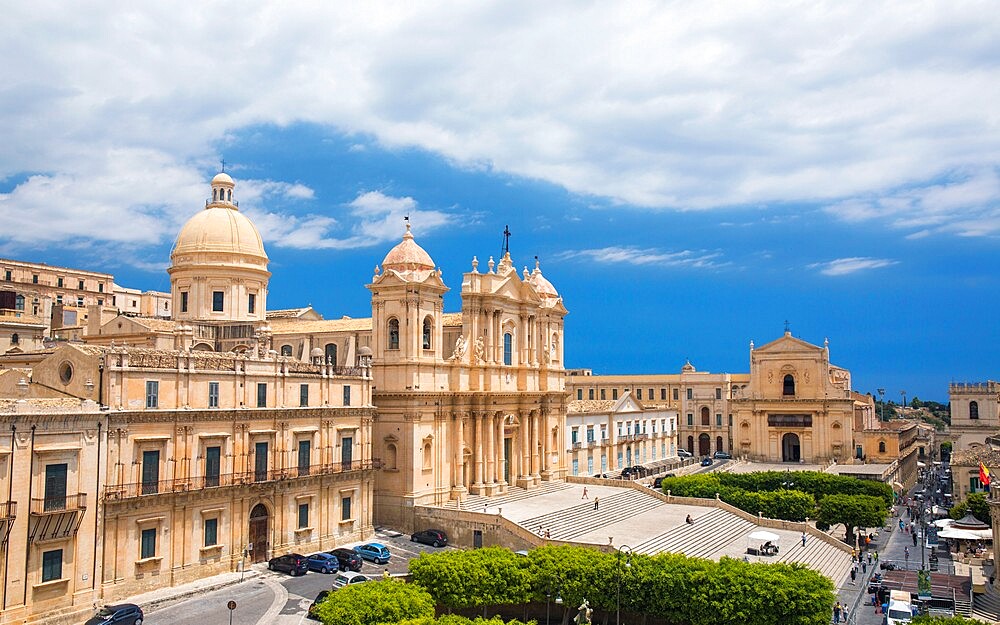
(275, 598)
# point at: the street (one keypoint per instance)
(276, 597)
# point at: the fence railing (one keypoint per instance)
(55, 505)
(8, 510)
(200, 482)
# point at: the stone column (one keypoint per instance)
(546, 444)
(525, 469)
(477, 424)
(491, 468)
(535, 460)
(500, 449)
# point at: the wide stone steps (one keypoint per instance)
(569, 523)
(709, 533)
(823, 558)
(986, 606)
(514, 493)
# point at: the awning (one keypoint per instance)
(764, 535)
(944, 522)
(953, 532)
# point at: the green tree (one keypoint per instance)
(945, 620)
(851, 510)
(462, 579)
(376, 603)
(974, 503)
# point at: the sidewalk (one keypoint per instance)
(155, 599)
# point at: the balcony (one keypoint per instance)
(8, 512)
(55, 517)
(202, 482)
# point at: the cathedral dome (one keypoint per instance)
(221, 228)
(407, 256)
(541, 284)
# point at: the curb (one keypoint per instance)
(156, 604)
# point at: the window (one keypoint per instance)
(18, 302)
(252, 303)
(690, 419)
(590, 393)
(788, 385)
(690, 393)
(650, 395)
(52, 565)
(345, 509)
(973, 410)
(718, 393)
(579, 394)
(576, 467)
(150, 471)
(213, 465)
(602, 394)
(59, 298)
(427, 333)
(347, 395)
(34, 279)
(286, 350)
(305, 449)
(663, 394)
(330, 353)
(508, 348)
(79, 300)
(55, 487)
(614, 393)
(676, 392)
(394, 334)
(575, 436)
(260, 461)
(213, 394)
(881, 447)
(303, 394)
(184, 301)
(147, 548)
(638, 393)
(79, 285)
(718, 419)
(6, 275)
(262, 395)
(100, 287)
(218, 300)
(590, 434)
(15, 339)
(100, 301)
(705, 418)
(152, 393)
(59, 282)
(303, 515)
(211, 532)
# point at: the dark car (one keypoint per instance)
(633, 472)
(706, 461)
(435, 538)
(291, 563)
(376, 552)
(323, 562)
(121, 614)
(318, 600)
(347, 559)
(722, 455)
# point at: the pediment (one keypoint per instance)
(788, 344)
(627, 403)
(513, 288)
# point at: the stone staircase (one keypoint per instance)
(821, 557)
(514, 493)
(985, 606)
(568, 523)
(706, 536)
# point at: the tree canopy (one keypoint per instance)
(376, 603)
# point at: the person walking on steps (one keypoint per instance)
(803, 539)
(584, 493)
(596, 502)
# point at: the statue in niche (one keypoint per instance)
(480, 351)
(460, 348)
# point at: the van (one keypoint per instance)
(900, 609)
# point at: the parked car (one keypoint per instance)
(121, 614)
(435, 538)
(683, 453)
(318, 600)
(348, 577)
(633, 472)
(706, 461)
(323, 562)
(376, 552)
(658, 483)
(348, 559)
(291, 563)
(722, 455)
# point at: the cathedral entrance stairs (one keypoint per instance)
(575, 521)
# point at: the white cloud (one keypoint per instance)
(845, 266)
(660, 105)
(646, 256)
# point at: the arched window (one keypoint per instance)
(229, 194)
(427, 333)
(973, 410)
(789, 385)
(881, 447)
(394, 334)
(215, 194)
(330, 353)
(286, 350)
(706, 417)
(508, 348)
(14, 339)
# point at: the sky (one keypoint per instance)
(691, 176)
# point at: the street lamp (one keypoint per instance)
(618, 568)
(548, 604)
(881, 401)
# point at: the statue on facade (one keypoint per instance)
(480, 352)
(460, 348)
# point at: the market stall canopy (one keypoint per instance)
(944, 522)
(960, 534)
(969, 522)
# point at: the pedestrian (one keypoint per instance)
(385, 574)
(864, 566)
(548, 534)
(803, 539)
(876, 556)
(869, 557)
(854, 574)
(846, 617)
(584, 493)
(901, 525)
(596, 502)
(836, 612)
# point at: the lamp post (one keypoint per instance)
(618, 562)
(881, 401)
(548, 604)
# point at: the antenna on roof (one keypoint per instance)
(505, 248)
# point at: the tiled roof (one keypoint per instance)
(299, 326)
(972, 457)
(163, 325)
(287, 313)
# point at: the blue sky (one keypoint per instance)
(691, 176)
